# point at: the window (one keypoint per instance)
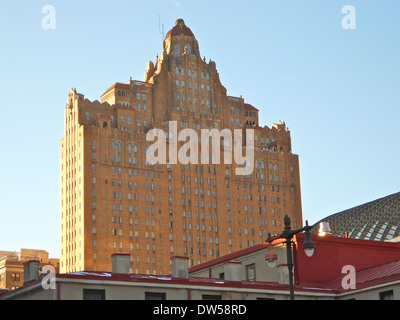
(155, 296)
(92, 294)
(251, 272)
(386, 295)
(16, 276)
(211, 297)
(177, 50)
(188, 49)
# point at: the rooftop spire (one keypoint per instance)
(180, 22)
(180, 28)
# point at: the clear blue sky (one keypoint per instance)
(337, 90)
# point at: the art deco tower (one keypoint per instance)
(113, 200)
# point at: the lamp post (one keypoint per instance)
(288, 234)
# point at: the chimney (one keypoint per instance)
(232, 271)
(121, 263)
(31, 271)
(180, 267)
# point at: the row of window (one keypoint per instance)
(187, 190)
(185, 226)
(182, 84)
(135, 161)
(96, 294)
(180, 71)
(126, 94)
(92, 294)
(196, 168)
(236, 111)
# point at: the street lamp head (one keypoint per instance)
(271, 257)
(308, 245)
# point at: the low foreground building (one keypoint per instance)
(340, 269)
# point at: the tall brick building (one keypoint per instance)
(113, 200)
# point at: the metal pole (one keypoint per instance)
(290, 266)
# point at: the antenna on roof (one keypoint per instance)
(161, 27)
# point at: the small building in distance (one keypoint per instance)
(12, 266)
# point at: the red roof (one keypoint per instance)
(371, 276)
(232, 256)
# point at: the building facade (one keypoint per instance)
(114, 200)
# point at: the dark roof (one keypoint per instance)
(378, 220)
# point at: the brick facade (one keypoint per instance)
(113, 200)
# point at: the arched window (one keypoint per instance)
(188, 49)
(177, 50)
